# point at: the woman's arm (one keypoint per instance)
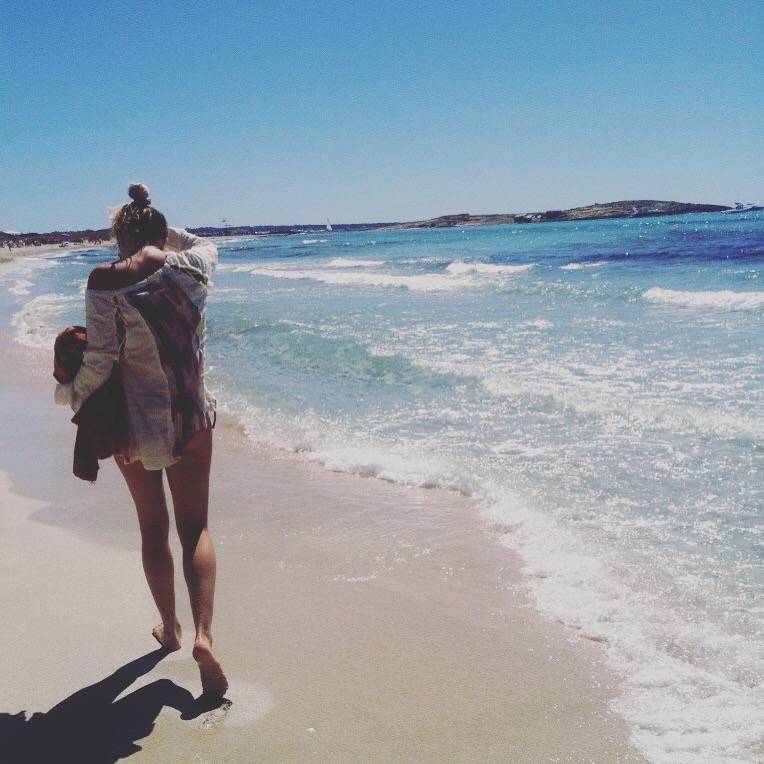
(129, 271)
(101, 352)
(188, 252)
(192, 253)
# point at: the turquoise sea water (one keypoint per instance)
(597, 387)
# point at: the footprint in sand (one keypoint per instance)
(243, 705)
(215, 718)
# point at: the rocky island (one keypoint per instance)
(596, 211)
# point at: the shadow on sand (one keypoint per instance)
(89, 727)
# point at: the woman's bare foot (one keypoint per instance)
(214, 683)
(169, 640)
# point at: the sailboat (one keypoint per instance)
(328, 225)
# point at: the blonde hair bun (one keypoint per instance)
(139, 193)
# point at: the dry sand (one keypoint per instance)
(358, 621)
(6, 255)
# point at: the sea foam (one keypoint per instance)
(21, 287)
(686, 705)
(340, 450)
(39, 321)
(347, 262)
(604, 402)
(486, 269)
(723, 299)
(425, 282)
(581, 266)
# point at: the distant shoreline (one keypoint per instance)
(47, 248)
(638, 208)
(12, 243)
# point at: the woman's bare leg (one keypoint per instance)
(189, 481)
(148, 494)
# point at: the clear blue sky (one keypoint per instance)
(278, 112)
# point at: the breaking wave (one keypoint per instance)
(581, 266)
(39, 321)
(486, 269)
(425, 282)
(724, 299)
(347, 262)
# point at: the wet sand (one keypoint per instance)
(357, 620)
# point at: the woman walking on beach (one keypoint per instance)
(146, 312)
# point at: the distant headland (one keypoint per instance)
(596, 211)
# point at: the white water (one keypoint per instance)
(724, 299)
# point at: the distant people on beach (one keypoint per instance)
(146, 317)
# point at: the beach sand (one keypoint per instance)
(6, 255)
(358, 621)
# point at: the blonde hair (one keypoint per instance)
(137, 223)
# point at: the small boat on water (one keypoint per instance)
(328, 225)
(740, 207)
